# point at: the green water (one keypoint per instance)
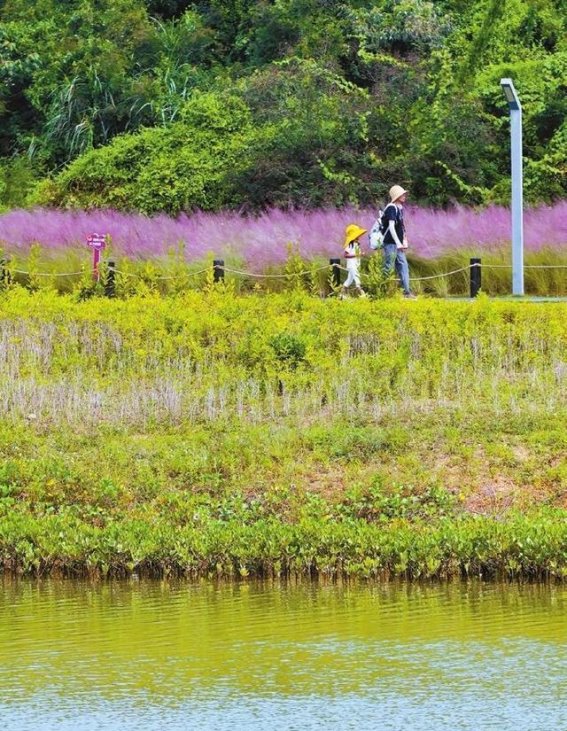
(143, 655)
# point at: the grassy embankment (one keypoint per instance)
(216, 434)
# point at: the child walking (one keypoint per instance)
(352, 255)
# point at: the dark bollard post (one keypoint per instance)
(335, 272)
(110, 284)
(218, 270)
(476, 277)
(4, 273)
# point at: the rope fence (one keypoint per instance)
(526, 266)
(45, 274)
(219, 269)
(255, 275)
(443, 274)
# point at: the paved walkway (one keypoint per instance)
(511, 298)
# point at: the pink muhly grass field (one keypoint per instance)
(264, 241)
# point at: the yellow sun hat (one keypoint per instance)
(396, 191)
(352, 232)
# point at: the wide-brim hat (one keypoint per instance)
(396, 191)
(352, 232)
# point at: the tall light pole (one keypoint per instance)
(517, 186)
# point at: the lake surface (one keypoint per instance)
(164, 655)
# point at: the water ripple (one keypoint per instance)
(280, 656)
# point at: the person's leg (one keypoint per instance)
(402, 270)
(349, 280)
(350, 275)
(389, 252)
(356, 275)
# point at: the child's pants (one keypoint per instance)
(353, 276)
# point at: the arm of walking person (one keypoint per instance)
(392, 229)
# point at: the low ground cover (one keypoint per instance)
(216, 434)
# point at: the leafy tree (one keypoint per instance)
(176, 168)
(19, 61)
(341, 97)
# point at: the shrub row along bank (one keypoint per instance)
(524, 546)
(442, 275)
(358, 499)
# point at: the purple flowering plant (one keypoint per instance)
(441, 241)
(262, 242)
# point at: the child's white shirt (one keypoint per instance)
(352, 251)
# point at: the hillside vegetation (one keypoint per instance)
(171, 105)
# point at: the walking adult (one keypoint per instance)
(395, 239)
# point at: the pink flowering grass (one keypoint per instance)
(263, 243)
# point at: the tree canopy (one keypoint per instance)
(171, 105)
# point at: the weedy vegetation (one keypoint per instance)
(210, 433)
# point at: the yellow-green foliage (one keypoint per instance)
(216, 353)
(441, 276)
(214, 433)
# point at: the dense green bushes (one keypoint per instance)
(343, 99)
(172, 169)
(281, 136)
(532, 546)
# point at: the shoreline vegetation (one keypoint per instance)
(521, 547)
(213, 434)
